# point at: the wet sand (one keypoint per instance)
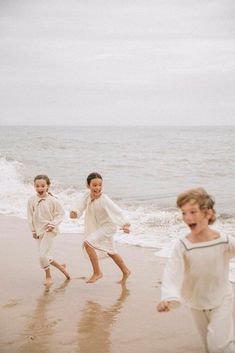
(76, 317)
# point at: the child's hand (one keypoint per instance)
(164, 306)
(50, 228)
(126, 228)
(73, 214)
(35, 235)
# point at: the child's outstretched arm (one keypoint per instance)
(172, 280)
(80, 205)
(116, 214)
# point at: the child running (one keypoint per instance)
(198, 273)
(44, 215)
(101, 217)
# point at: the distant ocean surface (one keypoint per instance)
(144, 169)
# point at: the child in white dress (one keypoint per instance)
(102, 216)
(44, 215)
(198, 273)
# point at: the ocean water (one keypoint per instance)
(144, 169)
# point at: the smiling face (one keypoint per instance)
(95, 187)
(195, 218)
(41, 187)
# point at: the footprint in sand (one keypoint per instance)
(83, 278)
(158, 284)
(53, 323)
(12, 303)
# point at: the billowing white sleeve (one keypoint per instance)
(58, 214)
(115, 212)
(30, 215)
(81, 203)
(231, 242)
(173, 276)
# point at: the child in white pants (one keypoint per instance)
(198, 273)
(216, 326)
(44, 215)
(44, 248)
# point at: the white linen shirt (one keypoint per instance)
(43, 212)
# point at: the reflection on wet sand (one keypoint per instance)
(95, 325)
(39, 328)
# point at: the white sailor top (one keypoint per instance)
(198, 273)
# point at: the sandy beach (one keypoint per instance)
(76, 317)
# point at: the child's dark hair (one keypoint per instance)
(43, 177)
(92, 176)
(201, 197)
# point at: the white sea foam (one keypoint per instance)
(14, 192)
(149, 227)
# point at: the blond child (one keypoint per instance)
(102, 216)
(198, 273)
(44, 216)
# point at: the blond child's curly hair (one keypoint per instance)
(199, 196)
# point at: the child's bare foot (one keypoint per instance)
(61, 267)
(64, 271)
(124, 277)
(48, 281)
(95, 277)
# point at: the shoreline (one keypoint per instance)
(76, 317)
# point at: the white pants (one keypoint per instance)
(44, 245)
(216, 327)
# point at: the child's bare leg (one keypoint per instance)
(61, 267)
(48, 279)
(120, 263)
(97, 274)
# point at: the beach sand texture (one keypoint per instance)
(75, 317)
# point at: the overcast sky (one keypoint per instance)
(117, 62)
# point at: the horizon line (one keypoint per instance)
(124, 125)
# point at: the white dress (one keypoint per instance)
(102, 216)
